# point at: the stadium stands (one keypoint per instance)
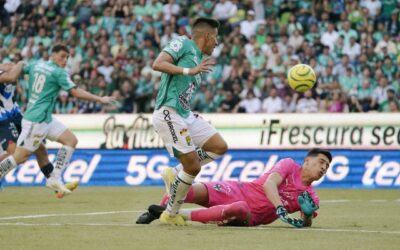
(354, 46)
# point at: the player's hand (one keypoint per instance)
(307, 204)
(204, 66)
(285, 217)
(108, 100)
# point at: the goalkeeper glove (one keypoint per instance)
(285, 217)
(307, 205)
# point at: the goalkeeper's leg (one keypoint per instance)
(235, 214)
(197, 194)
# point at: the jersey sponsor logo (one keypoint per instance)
(167, 118)
(184, 102)
(184, 99)
(222, 188)
(44, 68)
(217, 187)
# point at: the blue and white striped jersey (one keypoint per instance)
(8, 108)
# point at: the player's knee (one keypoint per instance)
(20, 157)
(240, 210)
(72, 141)
(68, 138)
(190, 163)
(221, 148)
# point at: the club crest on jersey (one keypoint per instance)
(175, 45)
(36, 140)
(188, 140)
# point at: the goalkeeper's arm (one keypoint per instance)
(271, 191)
(271, 188)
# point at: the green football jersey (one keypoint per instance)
(176, 91)
(46, 79)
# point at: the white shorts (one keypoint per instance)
(181, 135)
(33, 133)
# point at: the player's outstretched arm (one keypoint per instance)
(83, 94)
(164, 63)
(12, 73)
(6, 66)
(271, 191)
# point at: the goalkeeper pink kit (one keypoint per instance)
(262, 210)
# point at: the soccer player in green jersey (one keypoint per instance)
(46, 79)
(188, 137)
(10, 122)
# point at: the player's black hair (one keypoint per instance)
(316, 151)
(59, 47)
(209, 21)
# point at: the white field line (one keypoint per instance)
(34, 216)
(332, 230)
(322, 230)
(373, 201)
(335, 201)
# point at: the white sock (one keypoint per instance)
(2, 152)
(186, 213)
(204, 156)
(63, 156)
(6, 165)
(179, 189)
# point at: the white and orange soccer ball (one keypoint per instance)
(301, 77)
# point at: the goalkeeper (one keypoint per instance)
(278, 193)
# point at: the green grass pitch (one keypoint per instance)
(104, 218)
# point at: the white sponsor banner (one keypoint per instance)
(246, 131)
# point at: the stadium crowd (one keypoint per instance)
(354, 47)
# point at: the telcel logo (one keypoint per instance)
(141, 167)
(381, 173)
(29, 172)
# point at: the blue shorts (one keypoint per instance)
(10, 130)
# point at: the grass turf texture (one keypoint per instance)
(104, 218)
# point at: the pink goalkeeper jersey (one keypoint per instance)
(263, 211)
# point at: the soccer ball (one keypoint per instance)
(301, 77)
